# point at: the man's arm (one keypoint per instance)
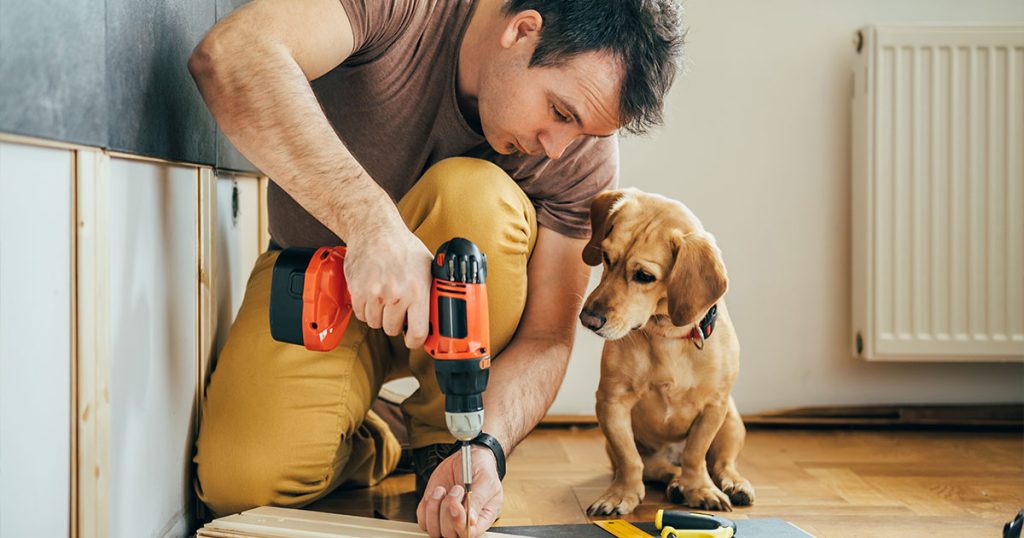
(253, 70)
(524, 380)
(525, 377)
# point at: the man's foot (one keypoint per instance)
(425, 460)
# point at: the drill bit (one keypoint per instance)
(467, 478)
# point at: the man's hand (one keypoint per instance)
(441, 513)
(388, 274)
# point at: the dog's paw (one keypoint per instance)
(618, 500)
(674, 493)
(704, 497)
(739, 490)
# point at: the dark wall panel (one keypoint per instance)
(52, 59)
(155, 108)
(227, 156)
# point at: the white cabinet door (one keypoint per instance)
(154, 347)
(236, 246)
(35, 340)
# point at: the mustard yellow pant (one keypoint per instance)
(284, 426)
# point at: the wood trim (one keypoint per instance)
(43, 143)
(155, 160)
(206, 316)
(568, 420)
(73, 422)
(206, 304)
(269, 522)
(93, 341)
(264, 221)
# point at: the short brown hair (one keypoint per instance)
(646, 35)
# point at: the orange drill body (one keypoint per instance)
(310, 305)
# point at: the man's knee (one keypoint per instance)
(474, 195)
(248, 477)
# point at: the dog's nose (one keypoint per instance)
(591, 320)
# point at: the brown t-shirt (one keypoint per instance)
(393, 104)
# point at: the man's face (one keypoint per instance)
(541, 110)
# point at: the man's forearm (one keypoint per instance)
(524, 381)
(265, 106)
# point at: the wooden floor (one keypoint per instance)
(828, 482)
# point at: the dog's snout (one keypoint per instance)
(591, 319)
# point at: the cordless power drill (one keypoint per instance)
(310, 305)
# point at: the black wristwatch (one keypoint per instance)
(490, 442)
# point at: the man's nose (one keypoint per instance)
(555, 141)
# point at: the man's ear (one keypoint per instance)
(520, 25)
(697, 279)
(600, 211)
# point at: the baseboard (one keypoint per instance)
(569, 420)
(1008, 416)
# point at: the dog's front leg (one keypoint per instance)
(698, 489)
(627, 488)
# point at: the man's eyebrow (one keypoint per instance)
(572, 109)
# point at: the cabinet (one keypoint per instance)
(36, 225)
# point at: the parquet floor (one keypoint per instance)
(831, 483)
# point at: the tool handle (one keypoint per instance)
(721, 532)
(691, 521)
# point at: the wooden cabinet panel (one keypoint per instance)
(35, 340)
(153, 345)
(236, 245)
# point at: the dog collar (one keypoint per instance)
(702, 330)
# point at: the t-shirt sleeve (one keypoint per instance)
(376, 24)
(589, 168)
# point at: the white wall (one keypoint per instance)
(757, 143)
(35, 340)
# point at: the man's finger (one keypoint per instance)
(419, 320)
(484, 512)
(452, 514)
(374, 312)
(394, 316)
(430, 511)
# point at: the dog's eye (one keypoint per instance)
(606, 260)
(643, 277)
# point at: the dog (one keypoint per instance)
(670, 358)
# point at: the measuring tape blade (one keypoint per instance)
(621, 528)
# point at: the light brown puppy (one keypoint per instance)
(664, 400)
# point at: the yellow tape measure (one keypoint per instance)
(621, 528)
(624, 529)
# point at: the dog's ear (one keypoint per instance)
(697, 279)
(600, 210)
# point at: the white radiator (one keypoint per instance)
(938, 194)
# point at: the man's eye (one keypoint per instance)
(643, 277)
(606, 260)
(559, 116)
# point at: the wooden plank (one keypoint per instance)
(264, 226)
(206, 317)
(73, 498)
(93, 341)
(270, 522)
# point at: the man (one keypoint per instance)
(350, 106)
